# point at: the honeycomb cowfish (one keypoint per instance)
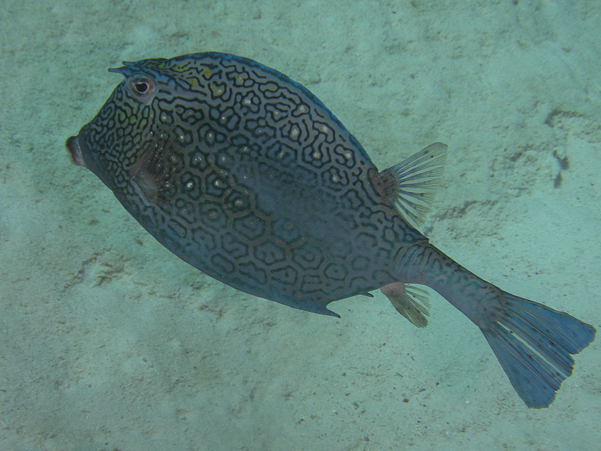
(247, 176)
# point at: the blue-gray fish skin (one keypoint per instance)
(247, 176)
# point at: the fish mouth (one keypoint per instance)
(72, 145)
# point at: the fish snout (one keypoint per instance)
(74, 150)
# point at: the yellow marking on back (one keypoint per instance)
(217, 90)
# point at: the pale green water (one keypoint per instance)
(109, 342)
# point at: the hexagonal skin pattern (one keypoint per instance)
(247, 176)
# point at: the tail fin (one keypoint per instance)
(533, 344)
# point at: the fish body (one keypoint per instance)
(247, 176)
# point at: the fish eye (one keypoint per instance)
(141, 88)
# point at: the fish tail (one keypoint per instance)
(534, 344)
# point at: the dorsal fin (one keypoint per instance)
(411, 185)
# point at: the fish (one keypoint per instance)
(246, 175)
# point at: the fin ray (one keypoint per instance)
(417, 180)
(533, 344)
(410, 301)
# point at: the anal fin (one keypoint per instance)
(410, 301)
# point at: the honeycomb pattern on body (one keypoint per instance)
(247, 176)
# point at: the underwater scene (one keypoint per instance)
(300, 225)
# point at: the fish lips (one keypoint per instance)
(75, 155)
(80, 155)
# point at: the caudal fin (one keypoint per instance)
(533, 344)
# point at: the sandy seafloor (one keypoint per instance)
(109, 342)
